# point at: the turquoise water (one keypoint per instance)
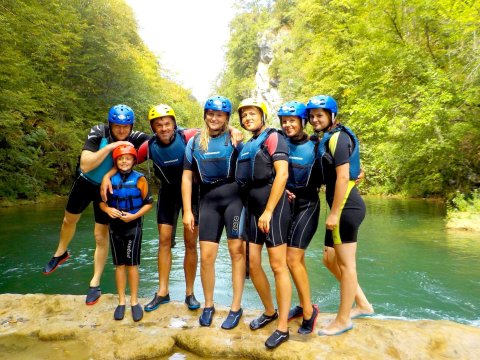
(408, 264)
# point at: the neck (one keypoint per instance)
(299, 136)
(258, 131)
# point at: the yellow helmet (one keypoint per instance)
(262, 105)
(161, 111)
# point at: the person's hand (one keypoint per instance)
(290, 196)
(113, 213)
(360, 177)
(120, 143)
(127, 217)
(264, 221)
(105, 186)
(236, 136)
(332, 221)
(189, 221)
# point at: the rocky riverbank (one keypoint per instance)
(37, 326)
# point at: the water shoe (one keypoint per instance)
(262, 321)
(232, 319)
(156, 302)
(207, 316)
(137, 312)
(191, 302)
(94, 293)
(54, 262)
(119, 313)
(278, 337)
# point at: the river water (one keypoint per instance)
(409, 266)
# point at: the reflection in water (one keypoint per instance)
(408, 265)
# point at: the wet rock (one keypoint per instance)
(90, 332)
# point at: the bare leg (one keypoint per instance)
(121, 280)
(208, 255)
(69, 226)
(133, 280)
(164, 257)
(236, 249)
(259, 278)
(101, 252)
(348, 284)
(296, 265)
(190, 260)
(278, 262)
(362, 305)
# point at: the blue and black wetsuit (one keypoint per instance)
(220, 203)
(168, 167)
(338, 150)
(126, 238)
(86, 187)
(255, 174)
(304, 179)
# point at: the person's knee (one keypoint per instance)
(208, 258)
(70, 219)
(101, 235)
(191, 246)
(236, 252)
(278, 266)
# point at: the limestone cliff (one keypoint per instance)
(62, 326)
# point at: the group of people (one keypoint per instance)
(263, 191)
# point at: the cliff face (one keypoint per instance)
(62, 326)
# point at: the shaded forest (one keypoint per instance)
(406, 74)
(63, 64)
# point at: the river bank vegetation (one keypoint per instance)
(63, 64)
(406, 75)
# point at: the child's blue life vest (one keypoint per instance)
(126, 194)
(215, 164)
(354, 158)
(168, 158)
(254, 164)
(96, 175)
(301, 159)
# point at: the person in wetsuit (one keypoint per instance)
(95, 161)
(340, 160)
(262, 173)
(127, 204)
(211, 157)
(304, 179)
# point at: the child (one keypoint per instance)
(130, 200)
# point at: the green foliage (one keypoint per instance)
(406, 75)
(469, 203)
(63, 64)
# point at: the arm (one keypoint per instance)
(278, 186)
(341, 185)
(188, 218)
(235, 135)
(147, 202)
(89, 160)
(112, 212)
(106, 185)
(142, 153)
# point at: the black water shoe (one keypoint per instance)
(263, 320)
(54, 262)
(308, 325)
(191, 302)
(94, 293)
(232, 319)
(278, 337)
(295, 312)
(137, 312)
(119, 313)
(207, 316)
(156, 302)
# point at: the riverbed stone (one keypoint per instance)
(65, 324)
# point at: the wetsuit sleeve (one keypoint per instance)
(190, 133)
(137, 138)
(277, 147)
(147, 197)
(142, 153)
(188, 158)
(94, 137)
(340, 147)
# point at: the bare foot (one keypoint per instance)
(334, 329)
(359, 312)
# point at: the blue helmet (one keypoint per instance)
(220, 103)
(323, 102)
(121, 114)
(294, 108)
